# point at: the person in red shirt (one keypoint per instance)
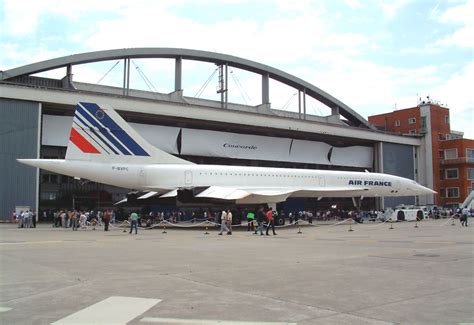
(106, 219)
(270, 220)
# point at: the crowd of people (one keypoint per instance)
(25, 219)
(258, 220)
(64, 218)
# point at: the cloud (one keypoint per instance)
(457, 90)
(304, 38)
(14, 54)
(461, 15)
(390, 8)
(271, 40)
(355, 4)
(19, 20)
(22, 17)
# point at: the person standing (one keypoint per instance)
(260, 219)
(250, 219)
(26, 219)
(223, 223)
(271, 221)
(134, 222)
(113, 217)
(229, 221)
(106, 218)
(310, 217)
(465, 214)
(19, 219)
(34, 217)
(73, 217)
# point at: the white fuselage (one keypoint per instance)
(159, 177)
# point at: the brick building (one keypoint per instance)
(449, 159)
(456, 170)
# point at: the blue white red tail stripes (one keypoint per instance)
(94, 131)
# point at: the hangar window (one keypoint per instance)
(452, 173)
(470, 174)
(452, 192)
(412, 120)
(397, 123)
(451, 153)
(470, 155)
(48, 196)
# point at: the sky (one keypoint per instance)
(375, 56)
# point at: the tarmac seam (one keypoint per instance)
(48, 269)
(43, 293)
(264, 297)
(350, 314)
(421, 258)
(408, 299)
(181, 277)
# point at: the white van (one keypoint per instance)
(407, 215)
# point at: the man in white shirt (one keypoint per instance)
(229, 222)
(223, 222)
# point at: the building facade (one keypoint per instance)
(456, 171)
(448, 158)
(39, 112)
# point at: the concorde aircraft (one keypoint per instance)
(104, 148)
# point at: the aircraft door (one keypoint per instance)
(321, 181)
(188, 177)
(141, 176)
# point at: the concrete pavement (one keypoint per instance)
(326, 275)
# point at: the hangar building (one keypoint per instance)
(36, 115)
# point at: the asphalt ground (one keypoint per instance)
(326, 275)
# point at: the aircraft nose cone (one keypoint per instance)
(425, 190)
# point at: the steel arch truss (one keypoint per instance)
(178, 54)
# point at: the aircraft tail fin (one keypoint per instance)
(99, 133)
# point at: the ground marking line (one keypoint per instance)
(206, 321)
(113, 310)
(33, 242)
(434, 242)
(4, 309)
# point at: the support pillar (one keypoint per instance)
(265, 89)
(222, 87)
(304, 103)
(126, 76)
(178, 73)
(67, 80)
(299, 104)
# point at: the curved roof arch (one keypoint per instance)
(195, 55)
